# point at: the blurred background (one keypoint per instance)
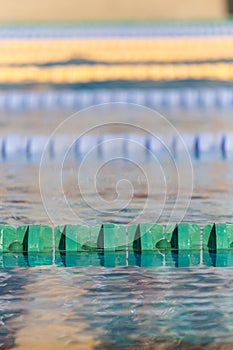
(83, 53)
(76, 10)
(57, 58)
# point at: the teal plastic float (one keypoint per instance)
(73, 238)
(28, 238)
(148, 237)
(218, 236)
(111, 245)
(108, 237)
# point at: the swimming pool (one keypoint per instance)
(87, 302)
(123, 300)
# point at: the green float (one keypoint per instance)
(144, 237)
(183, 236)
(111, 237)
(73, 238)
(138, 238)
(28, 238)
(8, 238)
(35, 238)
(218, 236)
(151, 237)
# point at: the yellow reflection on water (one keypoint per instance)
(116, 50)
(50, 322)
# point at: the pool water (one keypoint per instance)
(89, 303)
(122, 308)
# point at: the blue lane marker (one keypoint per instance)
(188, 98)
(197, 147)
(223, 147)
(218, 145)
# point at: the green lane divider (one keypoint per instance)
(28, 238)
(218, 236)
(36, 238)
(144, 237)
(73, 238)
(147, 237)
(137, 238)
(111, 245)
(183, 236)
(8, 239)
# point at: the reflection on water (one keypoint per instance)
(123, 307)
(114, 259)
(157, 258)
(12, 305)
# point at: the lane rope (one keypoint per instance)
(199, 144)
(188, 98)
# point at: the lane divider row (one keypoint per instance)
(115, 237)
(188, 98)
(116, 30)
(112, 245)
(197, 145)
